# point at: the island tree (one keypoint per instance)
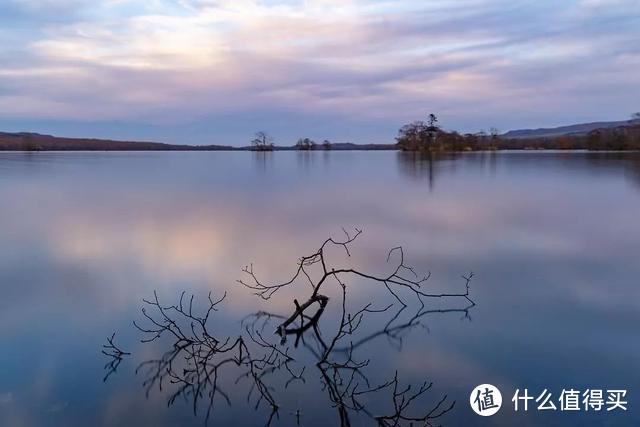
(262, 142)
(305, 144)
(419, 135)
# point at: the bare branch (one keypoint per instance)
(116, 355)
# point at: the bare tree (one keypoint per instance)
(432, 121)
(418, 135)
(305, 144)
(262, 142)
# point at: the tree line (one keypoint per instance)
(430, 137)
(264, 142)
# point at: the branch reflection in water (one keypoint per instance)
(200, 366)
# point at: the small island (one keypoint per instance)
(612, 136)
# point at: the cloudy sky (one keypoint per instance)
(214, 71)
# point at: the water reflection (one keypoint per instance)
(428, 166)
(419, 166)
(339, 342)
(553, 238)
(262, 160)
(115, 356)
(306, 159)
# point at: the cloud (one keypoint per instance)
(350, 62)
(628, 4)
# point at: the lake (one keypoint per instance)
(553, 240)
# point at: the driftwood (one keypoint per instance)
(197, 360)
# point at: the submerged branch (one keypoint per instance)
(197, 360)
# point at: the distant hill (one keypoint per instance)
(25, 141)
(571, 130)
(35, 142)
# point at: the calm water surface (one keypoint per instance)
(553, 240)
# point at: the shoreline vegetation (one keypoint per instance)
(418, 136)
(428, 136)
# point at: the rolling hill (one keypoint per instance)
(37, 142)
(570, 130)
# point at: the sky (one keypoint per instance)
(216, 71)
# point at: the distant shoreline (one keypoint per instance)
(32, 142)
(248, 150)
(622, 138)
